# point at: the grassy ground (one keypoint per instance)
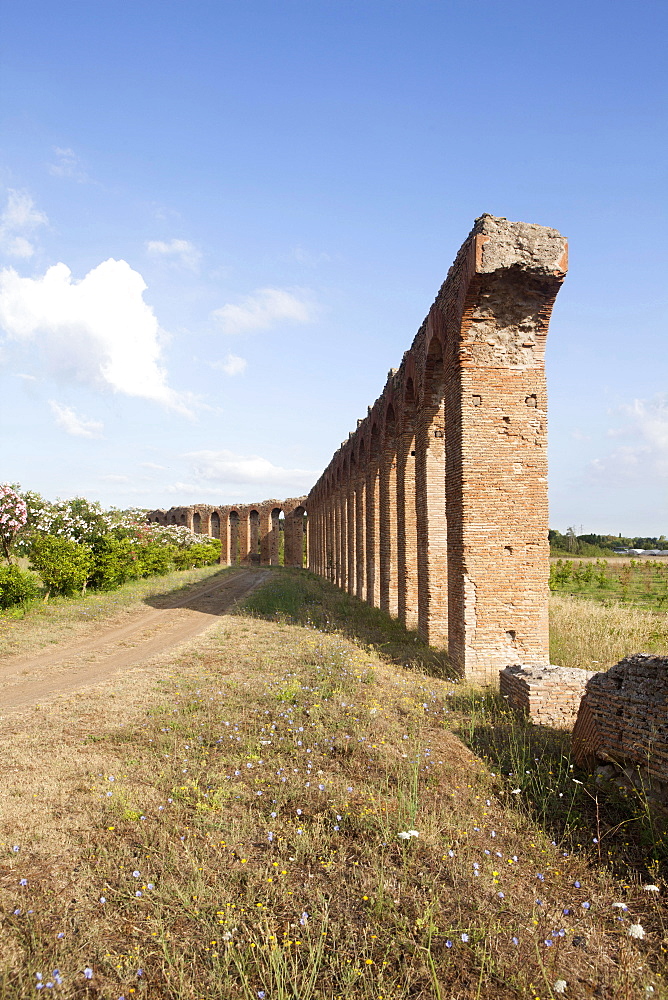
(39, 624)
(231, 829)
(639, 582)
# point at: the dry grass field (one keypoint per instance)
(227, 823)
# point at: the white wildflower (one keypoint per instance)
(636, 931)
(407, 834)
(560, 986)
(516, 791)
(651, 888)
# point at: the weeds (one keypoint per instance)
(238, 836)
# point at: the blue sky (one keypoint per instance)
(221, 223)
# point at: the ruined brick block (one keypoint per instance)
(549, 695)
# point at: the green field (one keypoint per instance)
(642, 582)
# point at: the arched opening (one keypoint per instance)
(197, 523)
(294, 529)
(277, 538)
(215, 524)
(254, 537)
(360, 523)
(234, 537)
(183, 519)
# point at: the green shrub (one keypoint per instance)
(116, 561)
(202, 554)
(16, 587)
(155, 559)
(63, 565)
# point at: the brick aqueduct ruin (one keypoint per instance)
(435, 508)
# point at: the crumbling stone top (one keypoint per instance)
(550, 672)
(520, 244)
(641, 675)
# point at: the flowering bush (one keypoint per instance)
(13, 516)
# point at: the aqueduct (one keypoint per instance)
(435, 508)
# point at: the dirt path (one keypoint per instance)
(170, 621)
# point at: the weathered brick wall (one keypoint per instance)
(249, 533)
(623, 719)
(437, 502)
(548, 695)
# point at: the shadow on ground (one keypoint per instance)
(301, 598)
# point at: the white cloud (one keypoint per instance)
(232, 365)
(181, 252)
(18, 221)
(154, 466)
(73, 424)
(264, 309)
(645, 456)
(111, 478)
(98, 330)
(222, 467)
(67, 165)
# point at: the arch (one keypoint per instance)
(215, 524)
(254, 537)
(277, 539)
(197, 523)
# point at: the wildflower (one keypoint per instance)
(465, 938)
(651, 888)
(448, 944)
(501, 895)
(103, 900)
(135, 874)
(560, 986)
(541, 877)
(515, 940)
(516, 791)
(16, 848)
(585, 906)
(23, 881)
(88, 973)
(407, 834)
(577, 885)
(636, 931)
(303, 920)
(620, 906)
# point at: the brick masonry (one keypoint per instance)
(435, 508)
(549, 695)
(249, 533)
(623, 721)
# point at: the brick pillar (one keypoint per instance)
(497, 447)
(264, 529)
(407, 530)
(350, 528)
(274, 537)
(224, 532)
(388, 525)
(330, 554)
(372, 535)
(233, 521)
(432, 552)
(360, 534)
(341, 533)
(244, 536)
